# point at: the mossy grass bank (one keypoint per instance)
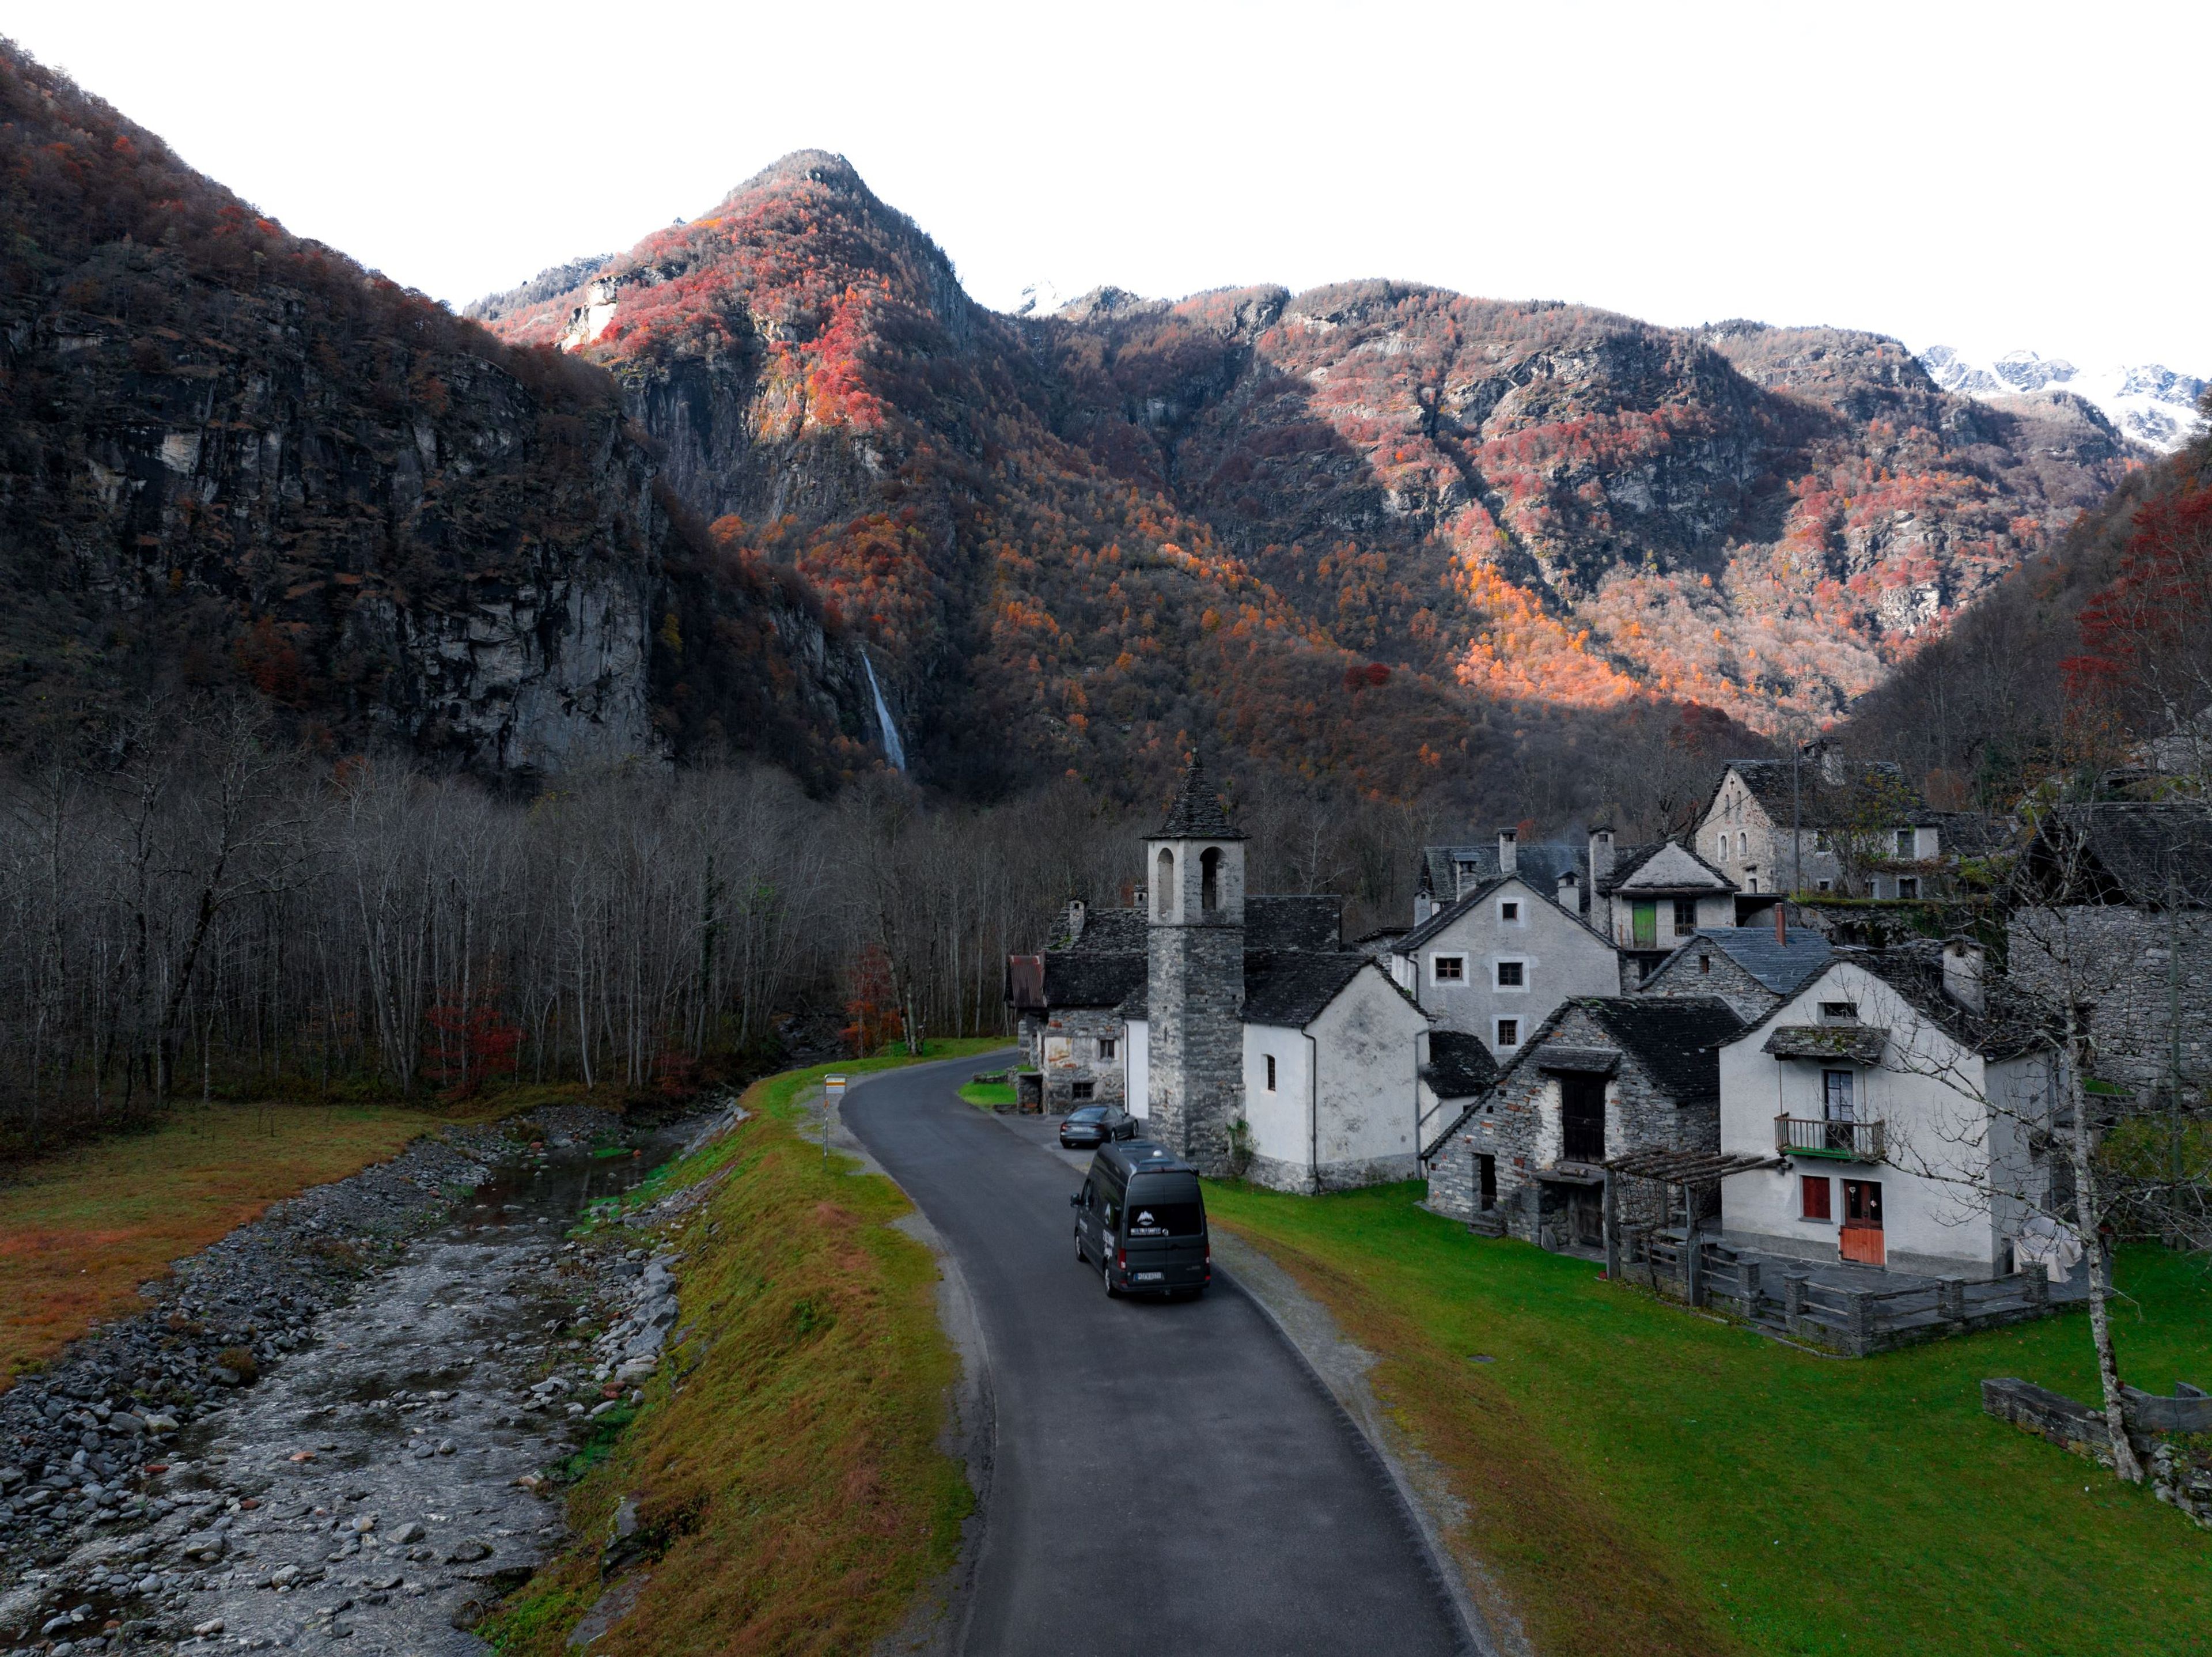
(1638, 1478)
(784, 1485)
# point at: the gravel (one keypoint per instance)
(335, 1423)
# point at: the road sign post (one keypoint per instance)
(833, 1090)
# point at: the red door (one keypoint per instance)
(1862, 1235)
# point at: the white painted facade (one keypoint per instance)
(1345, 1107)
(1136, 1068)
(1463, 974)
(1676, 895)
(1957, 1176)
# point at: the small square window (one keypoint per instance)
(1108, 1047)
(1511, 975)
(1908, 885)
(1905, 843)
(1817, 1196)
(1509, 1032)
(1821, 840)
(1449, 969)
(1840, 1012)
(1509, 911)
(1271, 1073)
(1828, 886)
(1079, 1090)
(1686, 917)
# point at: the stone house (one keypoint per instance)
(1067, 1001)
(2118, 916)
(1495, 961)
(1603, 1076)
(1749, 967)
(1448, 873)
(1460, 1068)
(1653, 897)
(1862, 831)
(1903, 1110)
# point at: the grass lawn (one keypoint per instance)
(1640, 1479)
(79, 1231)
(792, 1494)
(990, 1095)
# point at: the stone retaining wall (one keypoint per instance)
(2180, 1471)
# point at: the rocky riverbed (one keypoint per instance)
(335, 1425)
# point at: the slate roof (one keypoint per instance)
(1107, 932)
(1860, 1043)
(1292, 987)
(1821, 803)
(2122, 852)
(1541, 863)
(1444, 917)
(1459, 1065)
(1073, 978)
(1784, 968)
(1293, 920)
(1629, 862)
(1675, 1040)
(1196, 812)
(2008, 1024)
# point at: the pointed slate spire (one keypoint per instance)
(1196, 813)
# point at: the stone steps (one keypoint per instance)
(1491, 1223)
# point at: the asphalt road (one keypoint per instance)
(1170, 1480)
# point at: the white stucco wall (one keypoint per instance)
(1136, 1067)
(1938, 1177)
(1278, 1118)
(1346, 1089)
(1560, 956)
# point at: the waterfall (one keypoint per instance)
(894, 750)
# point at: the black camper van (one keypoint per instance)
(1141, 1219)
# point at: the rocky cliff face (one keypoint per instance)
(1105, 529)
(229, 455)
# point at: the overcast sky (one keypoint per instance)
(1989, 176)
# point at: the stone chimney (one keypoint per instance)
(1962, 974)
(1600, 856)
(1570, 898)
(1078, 912)
(1509, 847)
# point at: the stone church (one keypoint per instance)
(1245, 1037)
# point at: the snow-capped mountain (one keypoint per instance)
(1039, 298)
(2149, 402)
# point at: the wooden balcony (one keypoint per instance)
(1846, 1141)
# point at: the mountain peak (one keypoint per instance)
(814, 166)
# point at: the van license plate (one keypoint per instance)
(1149, 1277)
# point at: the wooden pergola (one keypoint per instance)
(1669, 1168)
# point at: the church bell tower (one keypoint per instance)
(1194, 947)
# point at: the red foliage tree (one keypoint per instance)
(871, 1003)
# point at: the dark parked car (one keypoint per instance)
(1142, 1217)
(1092, 1125)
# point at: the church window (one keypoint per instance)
(1449, 969)
(1512, 975)
(1163, 885)
(1271, 1073)
(1209, 879)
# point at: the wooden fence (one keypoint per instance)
(1853, 1321)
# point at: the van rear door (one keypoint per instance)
(1163, 1231)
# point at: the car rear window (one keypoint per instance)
(1166, 1206)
